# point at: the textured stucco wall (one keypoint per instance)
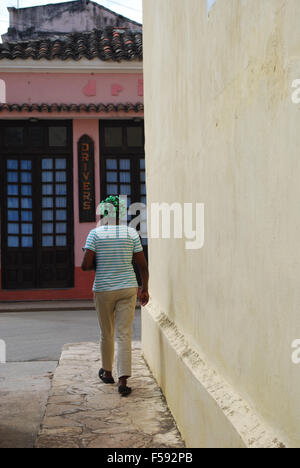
(30, 23)
(221, 129)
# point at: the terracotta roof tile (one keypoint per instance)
(109, 44)
(48, 108)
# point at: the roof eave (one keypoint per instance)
(70, 66)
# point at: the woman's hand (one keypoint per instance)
(140, 261)
(144, 297)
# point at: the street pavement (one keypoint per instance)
(34, 343)
(82, 412)
(40, 336)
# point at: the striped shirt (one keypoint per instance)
(114, 247)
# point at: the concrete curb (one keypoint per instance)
(45, 306)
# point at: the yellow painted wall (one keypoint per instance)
(221, 129)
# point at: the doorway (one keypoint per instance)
(37, 241)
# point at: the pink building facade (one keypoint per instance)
(71, 133)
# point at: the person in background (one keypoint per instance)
(110, 250)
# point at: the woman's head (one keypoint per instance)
(113, 207)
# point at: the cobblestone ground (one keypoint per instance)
(82, 412)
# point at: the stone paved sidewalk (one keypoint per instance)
(82, 412)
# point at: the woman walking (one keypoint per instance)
(110, 250)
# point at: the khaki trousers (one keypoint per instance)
(115, 314)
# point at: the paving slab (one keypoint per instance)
(82, 412)
(24, 391)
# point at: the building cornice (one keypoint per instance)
(72, 108)
(70, 66)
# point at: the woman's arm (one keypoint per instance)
(89, 261)
(141, 262)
